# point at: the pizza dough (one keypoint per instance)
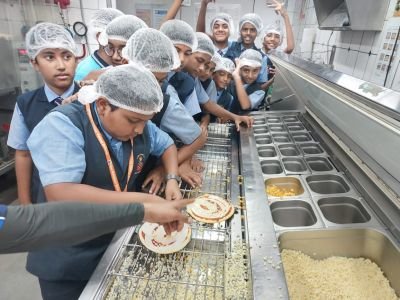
(210, 209)
(154, 238)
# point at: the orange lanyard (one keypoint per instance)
(110, 164)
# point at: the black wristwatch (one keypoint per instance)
(172, 176)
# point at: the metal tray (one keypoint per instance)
(263, 139)
(290, 185)
(294, 165)
(311, 149)
(271, 167)
(319, 164)
(267, 151)
(260, 129)
(293, 213)
(301, 137)
(355, 242)
(327, 184)
(281, 138)
(343, 210)
(288, 150)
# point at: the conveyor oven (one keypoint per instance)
(318, 173)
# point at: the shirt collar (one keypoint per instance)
(51, 95)
(99, 60)
(170, 74)
(242, 48)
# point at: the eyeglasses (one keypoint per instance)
(110, 51)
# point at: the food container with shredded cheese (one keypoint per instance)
(283, 187)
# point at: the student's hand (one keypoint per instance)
(156, 178)
(236, 73)
(70, 99)
(206, 2)
(279, 7)
(189, 176)
(166, 213)
(172, 191)
(197, 165)
(204, 128)
(248, 121)
(272, 71)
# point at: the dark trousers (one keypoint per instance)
(62, 289)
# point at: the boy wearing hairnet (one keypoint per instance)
(94, 153)
(156, 52)
(99, 59)
(246, 73)
(111, 41)
(200, 57)
(52, 52)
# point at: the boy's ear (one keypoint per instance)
(35, 64)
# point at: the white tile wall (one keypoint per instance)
(357, 62)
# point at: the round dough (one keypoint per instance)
(154, 238)
(210, 209)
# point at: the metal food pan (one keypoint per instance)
(267, 151)
(260, 121)
(284, 187)
(295, 127)
(293, 213)
(277, 128)
(311, 149)
(349, 242)
(319, 164)
(294, 165)
(343, 210)
(260, 129)
(290, 119)
(281, 138)
(273, 120)
(263, 139)
(289, 150)
(271, 167)
(325, 184)
(301, 137)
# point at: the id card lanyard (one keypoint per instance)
(110, 163)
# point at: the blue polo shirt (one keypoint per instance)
(90, 63)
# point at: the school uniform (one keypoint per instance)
(29, 110)
(64, 148)
(183, 84)
(254, 91)
(223, 51)
(90, 63)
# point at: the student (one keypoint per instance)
(99, 59)
(111, 40)
(273, 37)
(156, 52)
(250, 26)
(184, 40)
(246, 73)
(51, 50)
(221, 28)
(92, 153)
(200, 57)
(47, 225)
(222, 78)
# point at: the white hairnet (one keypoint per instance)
(48, 36)
(180, 32)
(102, 17)
(116, 85)
(272, 29)
(153, 49)
(225, 18)
(251, 58)
(226, 65)
(121, 29)
(204, 44)
(216, 59)
(253, 19)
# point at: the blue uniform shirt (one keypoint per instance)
(90, 63)
(19, 132)
(222, 52)
(63, 159)
(255, 98)
(202, 95)
(178, 121)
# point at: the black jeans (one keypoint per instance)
(61, 289)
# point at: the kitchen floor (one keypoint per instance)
(15, 282)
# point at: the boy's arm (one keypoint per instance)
(205, 121)
(173, 10)
(23, 170)
(201, 19)
(187, 151)
(280, 9)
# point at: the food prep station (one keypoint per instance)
(319, 173)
